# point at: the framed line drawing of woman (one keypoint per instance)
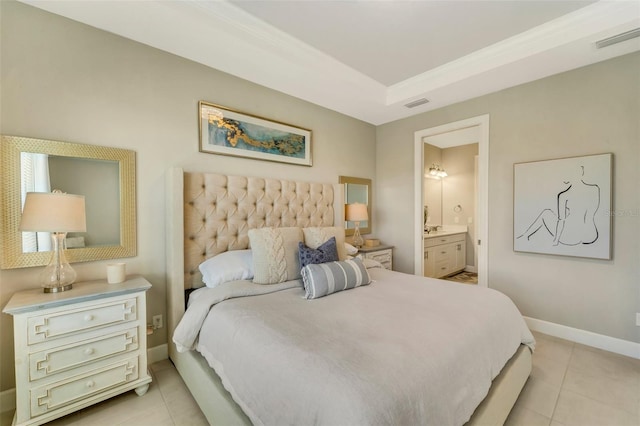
(563, 206)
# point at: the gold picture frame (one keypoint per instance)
(226, 131)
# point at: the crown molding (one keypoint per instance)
(222, 36)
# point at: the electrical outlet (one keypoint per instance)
(638, 319)
(157, 322)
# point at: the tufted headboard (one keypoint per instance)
(210, 213)
(219, 210)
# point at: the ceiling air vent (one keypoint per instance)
(618, 38)
(417, 102)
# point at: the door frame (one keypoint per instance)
(482, 213)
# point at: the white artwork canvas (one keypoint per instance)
(563, 206)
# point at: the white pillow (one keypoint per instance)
(351, 250)
(228, 266)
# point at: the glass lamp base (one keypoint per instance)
(58, 275)
(357, 239)
(58, 288)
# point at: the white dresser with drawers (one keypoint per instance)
(78, 347)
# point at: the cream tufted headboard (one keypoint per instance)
(219, 210)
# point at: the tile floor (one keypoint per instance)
(167, 402)
(576, 385)
(570, 385)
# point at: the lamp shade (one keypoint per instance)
(53, 212)
(356, 212)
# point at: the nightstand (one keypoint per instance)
(381, 253)
(78, 347)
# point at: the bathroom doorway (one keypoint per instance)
(472, 130)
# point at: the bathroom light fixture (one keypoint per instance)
(437, 172)
(58, 213)
(357, 212)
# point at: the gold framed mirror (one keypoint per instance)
(104, 175)
(357, 190)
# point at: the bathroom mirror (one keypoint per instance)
(432, 187)
(357, 190)
(432, 201)
(450, 200)
(105, 176)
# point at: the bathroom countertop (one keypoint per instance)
(443, 233)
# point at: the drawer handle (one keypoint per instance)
(89, 351)
(88, 317)
(90, 384)
(443, 252)
(443, 268)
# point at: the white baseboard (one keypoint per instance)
(600, 341)
(473, 269)
(8, 400)
(157, 353)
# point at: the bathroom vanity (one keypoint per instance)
(445, 253)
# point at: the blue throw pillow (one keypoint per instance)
(326, 252)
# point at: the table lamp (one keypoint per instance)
(58, 213)
(357, 212)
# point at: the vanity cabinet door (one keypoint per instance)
(430, 262)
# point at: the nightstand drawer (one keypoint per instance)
(53, 325)
(56, 395)
(382, 257)
(52, 361)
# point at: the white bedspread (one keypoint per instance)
(404, 350)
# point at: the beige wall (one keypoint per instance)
(66, 81)
(591, 110)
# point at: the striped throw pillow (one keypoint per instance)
(325, 278)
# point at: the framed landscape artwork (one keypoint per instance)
(228, 132)
(563, 206)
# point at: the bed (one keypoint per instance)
(400, 350)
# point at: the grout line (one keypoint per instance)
(595, 399)
(564, 376)
(164, 400)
